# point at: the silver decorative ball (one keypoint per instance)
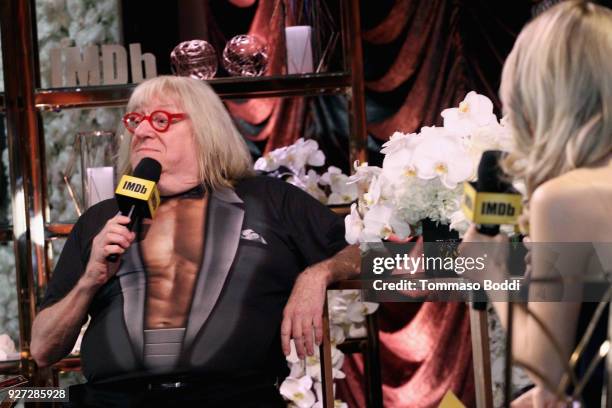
(245, 55)
(195, 58)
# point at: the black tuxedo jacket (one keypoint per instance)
(259, 237)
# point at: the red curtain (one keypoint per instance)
(425, 351)
(282, 120)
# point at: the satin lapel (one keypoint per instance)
(224, 217)
(133, 285)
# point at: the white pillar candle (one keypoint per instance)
(100, 185)
(299, 49)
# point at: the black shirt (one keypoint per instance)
(283, 230)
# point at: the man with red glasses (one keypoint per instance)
(193, 311)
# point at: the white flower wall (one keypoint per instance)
(61, 23)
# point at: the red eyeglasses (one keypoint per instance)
(160, 120)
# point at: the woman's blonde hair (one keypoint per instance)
(223, 156)
(557, 92)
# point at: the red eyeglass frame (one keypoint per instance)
(171, 118)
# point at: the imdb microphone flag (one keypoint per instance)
(140, 190)
(491, 208)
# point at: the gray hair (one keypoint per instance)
(223, 156)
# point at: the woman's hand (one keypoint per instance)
(493, 249)
(539, 397)
(472, 235)
(114, 238)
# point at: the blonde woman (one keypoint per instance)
(557, 92)
(192, 313)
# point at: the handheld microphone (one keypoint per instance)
(490, 202)
(489, 180)
(137, 196)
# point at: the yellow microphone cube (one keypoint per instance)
(491, 208)
(142, 190)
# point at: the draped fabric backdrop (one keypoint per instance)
(420, 57)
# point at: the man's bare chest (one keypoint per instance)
(172, 251)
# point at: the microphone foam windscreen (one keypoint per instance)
(148, 169)
(489, 172)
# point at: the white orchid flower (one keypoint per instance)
(342, 192)
(327, 176)
(474, 111)
(336, 334)
(316, 159)
(338, 303)
(313, 369)
(490, 137)
(363, 175)
(309, 182)
(266, 163)
(337, 360)
(374, 192)
(398, 142)
(274, 159)
(297, 370)
(443, 155)
(353, 225)
(337, 306)
(357, 331)
(314, 156)
(293, 357)
(319, 392)
(357, 311)
(381, 221)
(318, 387)
(398, 162)
(313, 364)
(380, 191)
(350, 295)
(298, 391)
(304, 152)
(344, 196)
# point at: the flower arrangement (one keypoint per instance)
(422, 174)
(347, 313)
(347, 320)
(295, 164)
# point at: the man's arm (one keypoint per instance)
(304, 310)
(57, 327)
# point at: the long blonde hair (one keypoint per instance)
(557, 92)
(223, 157)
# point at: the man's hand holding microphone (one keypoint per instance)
(137, 198)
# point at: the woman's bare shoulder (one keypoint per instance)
(575, 205)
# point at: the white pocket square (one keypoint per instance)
(251, 235)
